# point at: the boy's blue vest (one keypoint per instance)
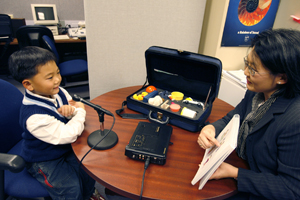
(33, 149)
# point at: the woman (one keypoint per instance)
(269, 135)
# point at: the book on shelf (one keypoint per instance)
(214, 156)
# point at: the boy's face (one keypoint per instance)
(46, 82)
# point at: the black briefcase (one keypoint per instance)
(181, 90)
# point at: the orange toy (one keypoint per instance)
(150, 89)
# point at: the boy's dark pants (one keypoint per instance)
(63, 178)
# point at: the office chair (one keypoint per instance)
(35, 35)
(67, 68)
(31, 35)
(15, 181)
(6, 32)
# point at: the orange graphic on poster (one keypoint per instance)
(251, 12)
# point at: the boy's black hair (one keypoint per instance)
(279, 51)
(23, 63)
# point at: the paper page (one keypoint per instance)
(236, 77)
(228, 140)
(239, 74)
(205, 178)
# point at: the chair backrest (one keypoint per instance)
(6, 30)
(50, 45)
(31, 35)
(10, 103)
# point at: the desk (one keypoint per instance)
(65, 45)
(71, 46)
(123, 175)
(65, 41)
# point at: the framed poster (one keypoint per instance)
(246, 18)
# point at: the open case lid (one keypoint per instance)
(193, 74)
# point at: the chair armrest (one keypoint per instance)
(11, 162)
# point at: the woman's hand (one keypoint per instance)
(225, 170)
(207, 138)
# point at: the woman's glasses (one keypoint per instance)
(251, 70)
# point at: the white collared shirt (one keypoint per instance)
(51, 130)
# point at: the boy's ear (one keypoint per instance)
(27, 84)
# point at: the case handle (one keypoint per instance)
(159, 116)
(129, 116)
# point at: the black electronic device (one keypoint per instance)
(149, 140)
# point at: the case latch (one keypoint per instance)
(159, 115)
(159, 118)
(182, 52)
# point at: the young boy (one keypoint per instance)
(51, 121)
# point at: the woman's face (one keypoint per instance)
(259, 78)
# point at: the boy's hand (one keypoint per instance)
(77, 104)
(66, 110)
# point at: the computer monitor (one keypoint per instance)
(44, 14)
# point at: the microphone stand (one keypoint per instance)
(107, 140)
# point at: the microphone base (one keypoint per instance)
(108, 142)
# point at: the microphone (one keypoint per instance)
(103, 138)
(96, 107)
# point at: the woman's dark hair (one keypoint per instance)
(24, 63)
(279, 51)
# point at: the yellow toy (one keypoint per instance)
(140, 97)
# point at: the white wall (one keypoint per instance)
(119, 32)
(215, 17)
(283, 19)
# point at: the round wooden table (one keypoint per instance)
(123, 175)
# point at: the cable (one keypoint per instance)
(145, 168)
(99, 141)
(80, 163)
